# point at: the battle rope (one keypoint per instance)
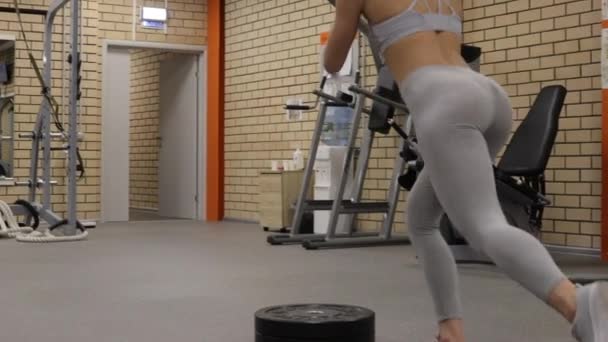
(8, 223)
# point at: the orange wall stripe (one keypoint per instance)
(604, 65)
(604, 174)
(215, 111)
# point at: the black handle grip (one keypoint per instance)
(297, 107)
(323, 80)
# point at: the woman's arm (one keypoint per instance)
(342, 34)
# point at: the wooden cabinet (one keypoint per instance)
(279, 192)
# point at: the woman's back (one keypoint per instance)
(415, 33)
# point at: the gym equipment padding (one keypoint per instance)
(530, 148)
(520, 173)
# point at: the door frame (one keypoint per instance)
(201, 142)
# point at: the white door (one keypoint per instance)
(115, 135)
(178, 134)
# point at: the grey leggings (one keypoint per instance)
(462, 120)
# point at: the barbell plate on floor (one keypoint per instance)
(314, 322)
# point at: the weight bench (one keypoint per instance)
(520, 179)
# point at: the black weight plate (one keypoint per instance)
(260, 338)
(314, 321)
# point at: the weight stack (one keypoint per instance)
(314, 323)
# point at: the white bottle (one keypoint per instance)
(298, 159)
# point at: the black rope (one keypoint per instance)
(32, 211)
(64, 222)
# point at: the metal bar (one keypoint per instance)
(359, 90)
(50, 217)
(356, 242)
(366, 146)
(11, 123)
(46, 215)
(310, 163)
(63, 137)
(73, 129)
(333, 99)
(63, 66)
(398, 129)
(7, 181)
(348, 206)
(24, 11)
(393, 195)
(294, 239)
(46, 111)
(54, 8)
(339, 194)
(19, 210)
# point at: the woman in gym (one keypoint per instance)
(462, 120)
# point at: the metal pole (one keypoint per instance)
(310, 163)
(45, 131)
(339, 195)
(73, 132)
(366, 147)
(393, 195)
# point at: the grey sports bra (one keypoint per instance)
(410, 21)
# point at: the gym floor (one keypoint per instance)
(145, 215)
(192, 282)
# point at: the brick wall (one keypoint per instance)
(102, 19)
(144, 129)
(529, 44)
(187, 23)
(272, 53)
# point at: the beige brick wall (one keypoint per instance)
(529, 44)
(272, 54)
(144, 129)
(187, 23)
(102, 19)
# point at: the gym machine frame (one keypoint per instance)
(41, 135)
(353, 205)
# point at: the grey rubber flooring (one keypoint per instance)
(182, 281)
